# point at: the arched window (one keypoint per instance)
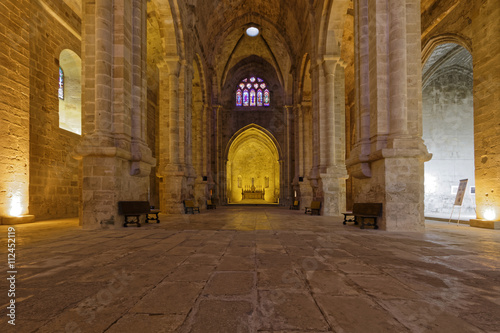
(70, 92)
(245, 97)
(252, 91)
(60, 92)
(239, 98)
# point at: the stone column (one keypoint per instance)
(287, 177)
(486, 61)
(187, 93)
(306, 188)
(141, 154)
(333, 169)
(316, 133)
(113, 137)
(174, 170)
(201, 189)
(389, 152)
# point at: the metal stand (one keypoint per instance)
(459, 211)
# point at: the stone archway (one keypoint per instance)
(253, 166)
(448, 129)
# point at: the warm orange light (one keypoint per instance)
(16, 209)
(489, 214)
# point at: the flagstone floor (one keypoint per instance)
(251, 269)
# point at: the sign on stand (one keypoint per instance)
(459, 199)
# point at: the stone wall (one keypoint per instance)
(448, 126)
(54, 185)
(475, 25)
(486, 61)
(14, 106)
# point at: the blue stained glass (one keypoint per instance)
(252, 91)
(60, 91)
(267, 98)
(252, 97)
(238, 98)
(245, 98)
(259, 97)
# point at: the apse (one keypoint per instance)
(253, 168)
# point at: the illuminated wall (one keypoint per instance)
(448, 129)
(14, 111)
(253, 156)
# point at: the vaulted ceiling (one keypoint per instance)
(221, 25)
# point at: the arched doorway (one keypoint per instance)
(448, 129)
(253, 167)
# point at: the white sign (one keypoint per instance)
(461, 192)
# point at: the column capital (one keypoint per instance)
(330, 64)
(173, 65)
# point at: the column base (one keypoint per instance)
(479, 223)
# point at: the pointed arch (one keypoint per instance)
(429, 47)
(331, 27)
(253, 161)
(258, 132)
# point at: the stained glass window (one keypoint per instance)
(60, 91)
(239, 98)
(267, 97)
(252, 91)
(252, 97)
(245, 98)
(259, 97)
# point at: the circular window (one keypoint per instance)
(252, 31)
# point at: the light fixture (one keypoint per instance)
(16, 208)
(489, 214)
(253, 31)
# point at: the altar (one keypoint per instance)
(252, 192)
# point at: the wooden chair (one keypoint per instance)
(190, 207)
(210, 205)
(295, 205)
(315, 208)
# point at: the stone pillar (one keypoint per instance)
(174, 170)
(200, 149)
(286, 175)
(316, 134)
(306, 185)
(115, 159)
(486, 61)
(333, 169)
(389, 152)
(141, 154)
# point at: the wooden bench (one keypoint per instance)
(153, 212)
(295, 205)
(315, 207)
(210, 205)
(132, 210)
(364, 211)
(190, 207)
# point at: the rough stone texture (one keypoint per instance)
(14, 106)
(448, 126)
(248, 269)
(486, 59)
(473, 25)
(55, 183)
(388, 154)
(159, 82)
